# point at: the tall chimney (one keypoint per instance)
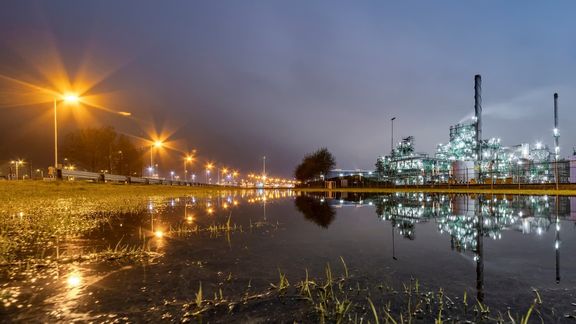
(478, 114)
(556, 132)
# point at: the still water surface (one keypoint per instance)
(496, 248)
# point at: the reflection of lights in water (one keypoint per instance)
(539, 231)
(557, 245)
(159, 234)
(74, 280)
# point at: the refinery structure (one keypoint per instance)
(469, 158)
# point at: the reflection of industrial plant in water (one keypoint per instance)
(457, 215)
(315, 210)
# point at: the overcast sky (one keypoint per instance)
(237, 80)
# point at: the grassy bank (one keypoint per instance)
(35, 215)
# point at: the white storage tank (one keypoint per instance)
(463, 171)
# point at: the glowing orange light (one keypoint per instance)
(159, 234)
(158, 144)
(71, 98)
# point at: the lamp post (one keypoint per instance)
(209, 167)
(187, 159)
(157, 144)
(16, 164)
(223, 171)
(69, 98)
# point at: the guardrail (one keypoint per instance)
(67, 174)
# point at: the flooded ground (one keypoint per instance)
(276, 256)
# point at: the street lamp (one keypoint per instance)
(187, 159)
(209, 167)
(156, 144)
(16, 164)
(223, 171)
(68, 98)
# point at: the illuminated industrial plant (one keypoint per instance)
(468, 158)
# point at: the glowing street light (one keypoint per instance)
(187, 159)
(17, 163)
(223, 171)
(209, 167)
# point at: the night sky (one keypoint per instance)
(237, 80)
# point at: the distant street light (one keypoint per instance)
(188, 159)
(209, 167)
(17, 163)
(156, 144)
(223, 171)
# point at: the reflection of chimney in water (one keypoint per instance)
(557, 242)
(479, 251)
(557, 247)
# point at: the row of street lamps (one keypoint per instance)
(72, 98)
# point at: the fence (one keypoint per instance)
(517, 173)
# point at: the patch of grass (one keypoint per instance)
(341, 299)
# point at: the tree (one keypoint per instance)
(315, 164)
(96, 149)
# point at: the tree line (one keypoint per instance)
(102, 149)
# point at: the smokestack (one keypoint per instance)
(556, 132)
(478, 114)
